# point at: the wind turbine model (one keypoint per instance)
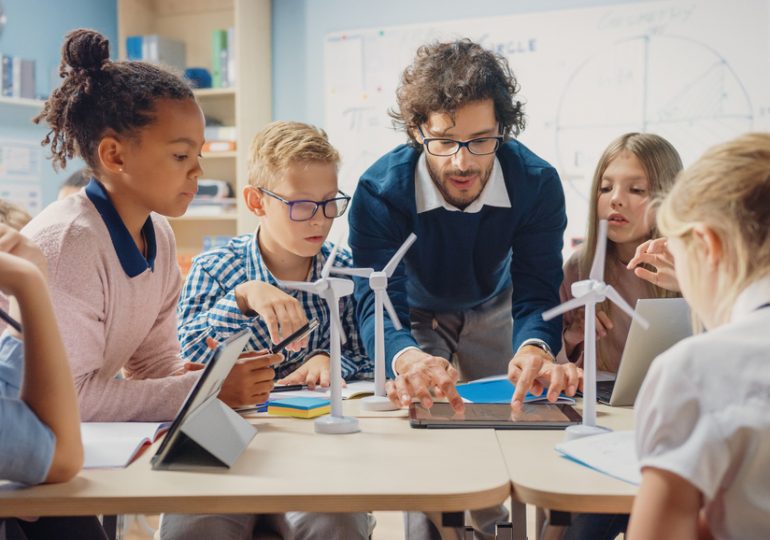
(378, 282)
(588, 293)
(331, 290)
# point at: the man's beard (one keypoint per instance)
(460, 202)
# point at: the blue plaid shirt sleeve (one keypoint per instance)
(207, 309)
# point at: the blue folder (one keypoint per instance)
(500, 390)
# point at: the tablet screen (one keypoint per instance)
(495, 416)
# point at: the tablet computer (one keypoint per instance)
(494, 416)
(206, 388)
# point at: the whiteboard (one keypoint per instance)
(697, 73)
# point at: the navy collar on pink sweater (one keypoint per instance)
(131, 258)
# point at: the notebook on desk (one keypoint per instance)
(116, 444)
(669, 320)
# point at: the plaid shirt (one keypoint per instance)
(207, 308)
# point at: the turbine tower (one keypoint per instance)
(378, 282)
(331, 289)
(588, 293)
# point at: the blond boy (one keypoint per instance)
(293, 191)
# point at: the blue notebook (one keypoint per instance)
(302, 403)
(500, 390)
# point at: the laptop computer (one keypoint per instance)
(669, 320)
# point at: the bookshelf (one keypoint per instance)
(248, 106)
(22, 102)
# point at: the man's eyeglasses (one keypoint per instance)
(303, 210)
(448, 147)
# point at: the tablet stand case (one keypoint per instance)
(212, 436)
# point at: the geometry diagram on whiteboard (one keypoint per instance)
(675, 87)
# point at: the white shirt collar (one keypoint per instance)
(428, 197)
(753, 296)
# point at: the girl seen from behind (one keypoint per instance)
(703, 432)
(39, 420)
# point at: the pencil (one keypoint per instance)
(10, 320)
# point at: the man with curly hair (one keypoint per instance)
(489, 217)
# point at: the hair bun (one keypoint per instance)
(85, 49)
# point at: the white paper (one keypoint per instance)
(613, 454)
(353, 389)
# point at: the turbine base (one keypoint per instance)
(336, 425)
(377, 403)
(581, 430)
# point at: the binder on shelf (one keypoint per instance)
(219, 58)
(157, 49)
(206, 433)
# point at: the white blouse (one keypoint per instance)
(703, 413)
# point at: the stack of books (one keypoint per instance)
(219, 139)
(17, 77)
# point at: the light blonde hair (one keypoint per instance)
(727, 190)
(281, 144)
(661, 164)
(13, 216)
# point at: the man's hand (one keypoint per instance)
(532, 369)
(282, 313)
(418, 374)
(315, 371)
(655, 253)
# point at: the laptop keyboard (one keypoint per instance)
(603, 391)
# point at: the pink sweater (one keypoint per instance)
(110, 321)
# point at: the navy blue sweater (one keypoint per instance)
(461, 260)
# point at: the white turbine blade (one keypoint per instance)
(333, 255)
(308, 286)
(570, 305)
(395, 259)
(334, 312)
(597, 267)
(615, 297)
(362, 272)
(391, 310)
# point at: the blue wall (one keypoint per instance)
(299, 28)
(36, 30)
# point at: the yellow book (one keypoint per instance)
(299, 407)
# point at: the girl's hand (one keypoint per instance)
(655, 253)
(15, 243)
(282, 313)
(574, 334)
(314, 372)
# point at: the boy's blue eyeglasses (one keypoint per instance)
(303, 210)
(481, 146)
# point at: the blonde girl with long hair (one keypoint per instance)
(632, 171)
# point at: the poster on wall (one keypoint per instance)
(695, 72)
(20, 174)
